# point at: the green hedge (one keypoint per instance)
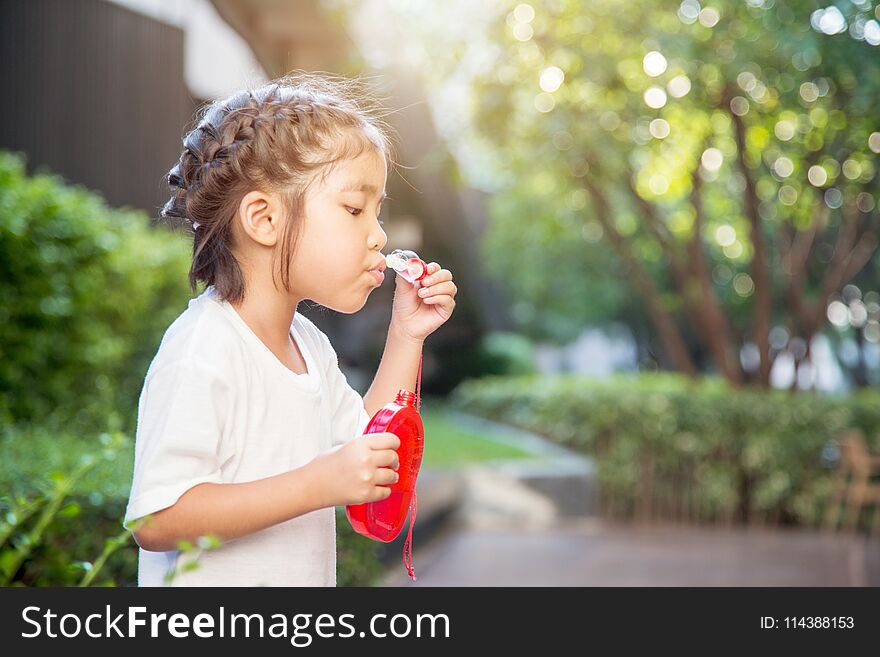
(86, 292)
(669, 448)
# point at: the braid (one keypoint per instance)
(272, 139)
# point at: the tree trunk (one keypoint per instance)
(670, 336)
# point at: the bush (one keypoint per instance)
(86, 293)
(41, 537)
(514, 353)
(666, 447)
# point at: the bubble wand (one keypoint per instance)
(383, 520)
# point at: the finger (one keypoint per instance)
(440, 300)
(433, 268)
(386, 477)
(441, 288)
(381, 493)
(386, 458)
(437, 276)
(383, 440)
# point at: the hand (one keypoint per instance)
(420, 308)
(362, 470)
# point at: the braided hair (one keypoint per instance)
(281, 137)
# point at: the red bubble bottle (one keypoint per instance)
(383, 520)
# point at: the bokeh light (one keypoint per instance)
(828, 21)
(817, 175)
(551, 78)
(655, 97)
(654, 64)
(733, 251)
(743, 284)
(524, 13)
(871, 32)
(712, 159)
(709, 17)
(788, 195)
(679, 86)
(865, 202)
(783, 167)
(833, 198)
(689, 11)
(725, 235)
(659, 128)
(544, 102)
(784, 130)
(838, 314)
(523, 31)
(809, 92)
(739, 106)
(852, 169)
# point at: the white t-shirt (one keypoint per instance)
(218, 406)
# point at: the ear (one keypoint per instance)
(260, 217)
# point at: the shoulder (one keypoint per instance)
(203, 337)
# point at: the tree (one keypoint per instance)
(726, 153)
(741, 137)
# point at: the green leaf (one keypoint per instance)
(70, 510)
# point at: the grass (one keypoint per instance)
(448, 444)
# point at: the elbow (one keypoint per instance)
(150, 537)
(148, 540)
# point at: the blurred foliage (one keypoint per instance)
(514, 352)
(86, 293)
(357, 557)
(646, 99)
(669, 448)
(41, 537)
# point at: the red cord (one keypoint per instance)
(413, 505)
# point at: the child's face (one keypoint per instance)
(341, 237)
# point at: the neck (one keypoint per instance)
(268, 312)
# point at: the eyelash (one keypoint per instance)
(381, 223)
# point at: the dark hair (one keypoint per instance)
(277, 138)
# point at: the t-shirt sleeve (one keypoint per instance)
(349, 416)
(180, 423)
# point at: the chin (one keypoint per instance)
(349, 307)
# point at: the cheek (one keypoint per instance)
(328, 254)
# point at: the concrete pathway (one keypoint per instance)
(591, 553)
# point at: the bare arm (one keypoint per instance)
(231, 510)
(360, 471)
(397, 369)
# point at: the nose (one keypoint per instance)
(378, 237)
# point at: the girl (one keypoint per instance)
(247, 430)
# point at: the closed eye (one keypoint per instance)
(356, 211)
